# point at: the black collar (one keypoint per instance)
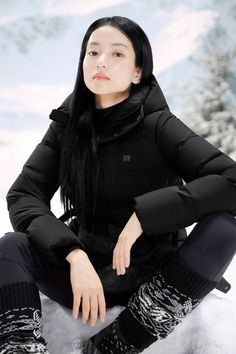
(120, 118)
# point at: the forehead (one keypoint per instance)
(109, 35)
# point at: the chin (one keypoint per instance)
(101, 91)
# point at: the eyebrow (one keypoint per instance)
(112, 44)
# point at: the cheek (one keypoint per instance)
(86, 74)
(84, 68)
(124, 69)
(86, 64)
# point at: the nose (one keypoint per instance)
(102, 62)
(98, 66)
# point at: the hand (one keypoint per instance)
(86, 285)
(128, 236)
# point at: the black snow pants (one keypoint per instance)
(208, 249)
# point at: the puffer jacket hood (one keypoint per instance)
(143, 100)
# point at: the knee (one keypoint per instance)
(11, 243)
(221, 216)
(222, 223)
(216, 233)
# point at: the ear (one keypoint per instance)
(137, 76)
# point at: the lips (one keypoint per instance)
(101, 76)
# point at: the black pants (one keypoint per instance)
(208, 250)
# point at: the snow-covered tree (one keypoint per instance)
(210, 106)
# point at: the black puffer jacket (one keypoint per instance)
(146, 153)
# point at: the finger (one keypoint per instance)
(76, 305)
(121, 257)
(85, 308)
(93, 309)
(118, 262)
(127, 257)
(114, 264)
(102, 305)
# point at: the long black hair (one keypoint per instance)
(79, 166)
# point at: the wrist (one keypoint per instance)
(137, 223)
(74, 254)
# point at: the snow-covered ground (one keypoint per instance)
(209, 329)
(39, 51)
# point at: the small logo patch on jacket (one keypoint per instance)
(126, 158)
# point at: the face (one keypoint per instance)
(109, 52)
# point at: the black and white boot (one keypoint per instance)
(109, 340)
(21, 320)
(154, 310)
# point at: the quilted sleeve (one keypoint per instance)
(209, 174)
(28, 201)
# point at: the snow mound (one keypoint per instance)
(209, 329)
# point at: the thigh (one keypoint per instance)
(211, 245)
(20, 259)
(215, 233)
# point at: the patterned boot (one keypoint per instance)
(21, 319)
(109, 340)
(154, 310)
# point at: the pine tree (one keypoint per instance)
(210, 107)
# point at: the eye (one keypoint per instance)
(93, 51)
(119, 53)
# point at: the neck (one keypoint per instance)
(108, 100)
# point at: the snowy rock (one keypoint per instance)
(209, 329)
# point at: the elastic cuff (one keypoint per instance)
(179, 274)
(62, 252)
(18, 295)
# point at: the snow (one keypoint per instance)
(21, 142)
(209, 329)
(39, 51)
(7, 19)
(12, 99)
(185, 27)
(74, 7)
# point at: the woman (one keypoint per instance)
(120, 157)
